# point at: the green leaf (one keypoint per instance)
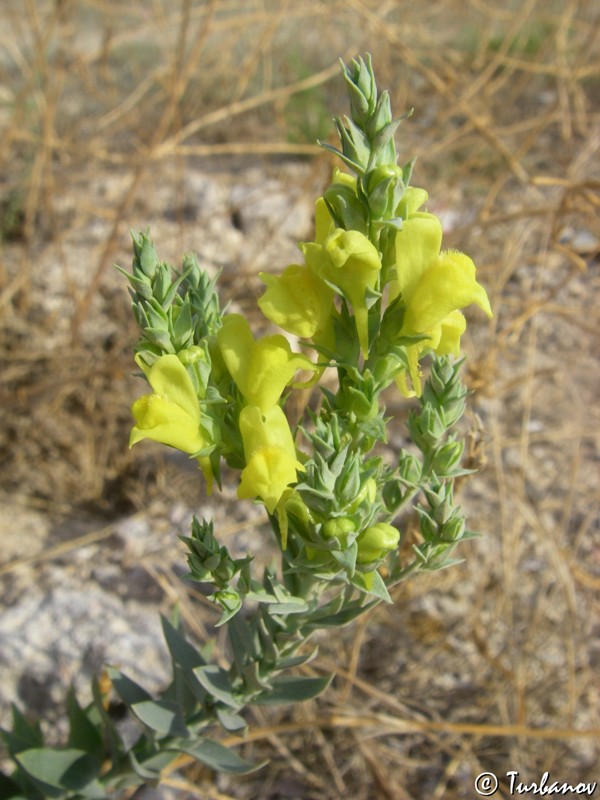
(109, 730)
(293, 690)
(373, 583)
(129, 691)
(162, 716)
(180, 691)
(149, 769)
(182, 651)
(216, 682)
(340, 618)
(68, 769)
(296, 661)
(23, 735)
(220, 758)
(9, 790)
(243, 642)
(82, 731)
(287, 608)
(347, 557)
(231, 722)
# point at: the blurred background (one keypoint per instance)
(198, 120)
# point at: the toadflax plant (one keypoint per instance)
(373, 296)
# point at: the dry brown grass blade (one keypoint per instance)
(408, 56)
(383, 725)
(181, 73)
(232, 110)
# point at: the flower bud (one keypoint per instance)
(447, 458)
(453, 529)
(368, 492)
(145, 256)
(230, 602)
(338, 528)
(191, 354)
(376, 542)
(384, 187)
(409, 467)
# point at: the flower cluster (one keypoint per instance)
(431, 285)
(247, 378)
(374, 295)
(262, 370)
(376, 300)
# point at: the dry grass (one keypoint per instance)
(493, 665)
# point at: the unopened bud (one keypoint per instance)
(385, 188)
(376, 542)
(367, 492)
(447, 457)
(338, 528)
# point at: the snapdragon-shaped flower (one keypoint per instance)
(434, 285)
(270, 453)
(350, 263)
(261, 369)
(171, 414)
(297, 301)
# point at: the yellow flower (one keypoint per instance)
(448, 284)
(348, 261)
(271, 462)
(433, 286)
(171, 414)
(418, 242)
(297, 300)
(261, 369)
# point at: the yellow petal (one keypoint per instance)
(413, 353)
(171, 414)
(323, 222)
(452, 328)
(267, 475)
(265, 429)
(418, 244)
(351, 263)
(412, 200)
(271, 462)
(344, 178)
(297, 300)
(236, 343)
(162, 421)
(449, 284)
(261, 369)
(402, 384)
(204, 462)
(169, 378)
